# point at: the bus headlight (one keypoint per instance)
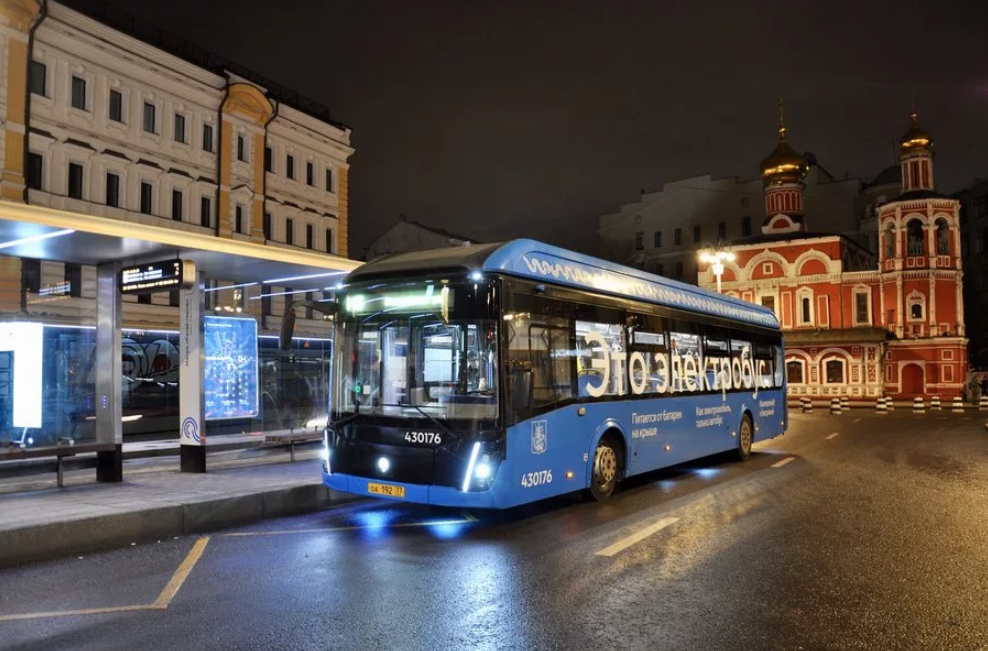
(480, 469)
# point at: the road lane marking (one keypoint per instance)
(356, 527)
(779, 464)
(835, 434)
(161, 603)
(857, 420)
(181, 574)
(624, 543)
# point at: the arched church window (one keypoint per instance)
(943, 237)
(889, 242)
(916, 310)
(914, 238)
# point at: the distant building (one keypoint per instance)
(407, 235)
(662, 232)
(857, 324)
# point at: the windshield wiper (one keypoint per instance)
(421, 411)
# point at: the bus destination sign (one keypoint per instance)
(155, 277)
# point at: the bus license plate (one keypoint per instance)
(386, 489)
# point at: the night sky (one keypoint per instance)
(510, 118)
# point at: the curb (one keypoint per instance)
(87, 535)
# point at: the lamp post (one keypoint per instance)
(716, 261)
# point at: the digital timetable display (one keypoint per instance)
(154, 277)
(231, 375)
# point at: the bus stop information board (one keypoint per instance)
(154, 277)
(231, 377)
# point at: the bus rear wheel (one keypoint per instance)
(746, 435)
(606, 469)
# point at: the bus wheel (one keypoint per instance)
(606, 469)
(745, 437)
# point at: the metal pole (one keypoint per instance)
(109, 372)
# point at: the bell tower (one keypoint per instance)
(782, 177)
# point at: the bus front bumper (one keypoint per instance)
(414, 493)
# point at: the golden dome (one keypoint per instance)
(915, 139)
(783, 165)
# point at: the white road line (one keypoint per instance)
(779, 464)
(835, 434)
(624, 543)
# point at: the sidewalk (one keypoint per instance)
(155, 503)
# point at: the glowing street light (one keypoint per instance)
(716, 261)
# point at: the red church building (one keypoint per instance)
(859, 323)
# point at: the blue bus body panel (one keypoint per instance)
(539, 261)
(552, 454)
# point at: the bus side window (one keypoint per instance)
(601, 359)
(647, 338)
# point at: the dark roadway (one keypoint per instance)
(876, 538)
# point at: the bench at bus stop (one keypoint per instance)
(60, 452)
(291, 439)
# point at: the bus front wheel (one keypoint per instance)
(746, 435)
(606, 469)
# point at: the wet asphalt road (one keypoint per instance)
(876, 538)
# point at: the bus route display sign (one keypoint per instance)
(155, 277)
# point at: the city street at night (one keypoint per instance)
(851, 531)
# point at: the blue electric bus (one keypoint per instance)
(490, 376)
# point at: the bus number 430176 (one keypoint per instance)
(531, 479)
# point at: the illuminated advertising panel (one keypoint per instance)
(231, 382)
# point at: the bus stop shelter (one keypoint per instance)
(110, 245)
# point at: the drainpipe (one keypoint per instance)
(27, 91)
(264, 176)
(219, 154)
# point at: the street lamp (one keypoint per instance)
(716, 261)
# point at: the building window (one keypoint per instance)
(722, 230)
(658, 239)
(205, 212)
(746, 226)
(177, 201)
(39, 78)
(207, 137)
(179, 128)
(289, 231)
(150, 118)
(834, 369)
(290, 166)
(73, 277)
(768, 268)
(241, 148)
(915, 238)
(943, 237)
(916, 311)
(329, 180)
(146, 197)
(239, 219)
(769, 302)
(794, 372)
(75, 180)
(329, 240)
(862, 315)
(697, 235)
(116, 106)
(35, 170)
(309, 237)
(268, 160)
(112, 189)
(677, 237)
(31, 275)
(947, 373)
(679, 271)
(889, 242)
(639, 241)
(310, 174)
(266, 225)
(144, 299)
(804, 301)
(78, 93)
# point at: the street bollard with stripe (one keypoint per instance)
(935, 403)
(958, 406)
(835, 406)
(845, 403)
(880, 405)
(889, 405)
(983, 404)
(918, 406)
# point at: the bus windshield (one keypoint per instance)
(418, 350)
